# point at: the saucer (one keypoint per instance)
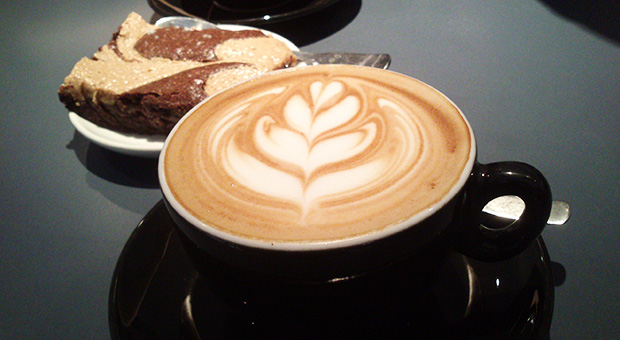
(156, 293)
(206, 9)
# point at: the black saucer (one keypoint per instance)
(157, 294)
(206, 9)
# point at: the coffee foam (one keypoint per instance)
(317, 154)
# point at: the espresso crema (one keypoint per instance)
(317, 153)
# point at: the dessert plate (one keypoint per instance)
(156, 293)
(125, 143)
(140, 145)
(206, 9)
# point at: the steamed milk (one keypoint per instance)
(319, 153)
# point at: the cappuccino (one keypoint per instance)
(318, 153)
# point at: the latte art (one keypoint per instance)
(317, 156)
(317, 149)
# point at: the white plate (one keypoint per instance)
(140, 145)
(125, 143)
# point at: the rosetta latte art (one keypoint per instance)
(319, 148)
(320, 158)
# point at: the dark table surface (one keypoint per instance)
(539, 81)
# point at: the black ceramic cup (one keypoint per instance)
(454, 220)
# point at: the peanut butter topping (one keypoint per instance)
(118, 76)
(250, 51)
(124, 40)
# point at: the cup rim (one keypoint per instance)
(315, 245)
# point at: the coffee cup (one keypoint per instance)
(323, 172)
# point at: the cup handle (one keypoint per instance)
(487, 182)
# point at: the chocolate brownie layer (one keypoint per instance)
(146, 77)
(179, 44)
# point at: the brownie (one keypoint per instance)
(146, 78)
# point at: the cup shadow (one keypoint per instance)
(599, 16)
